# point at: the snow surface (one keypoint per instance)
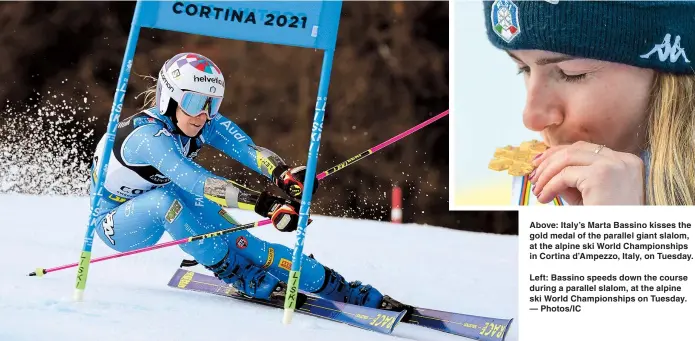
(128, 299)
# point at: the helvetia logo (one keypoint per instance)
(205, 79)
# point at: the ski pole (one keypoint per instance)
(380, 146)
(360, 156)
(41, 271)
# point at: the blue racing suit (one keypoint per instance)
(153, 185)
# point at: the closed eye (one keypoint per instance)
(572, 78)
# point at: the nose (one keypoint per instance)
(543, 105)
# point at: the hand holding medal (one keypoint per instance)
(581, 174)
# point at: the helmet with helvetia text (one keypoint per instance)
(191, 81)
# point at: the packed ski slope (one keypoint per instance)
(128, 299)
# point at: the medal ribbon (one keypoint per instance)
(521, 192)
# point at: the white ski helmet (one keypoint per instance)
(193, 82)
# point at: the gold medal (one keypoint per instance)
(517, 160)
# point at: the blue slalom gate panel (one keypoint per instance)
(307, 24)
(310, 24)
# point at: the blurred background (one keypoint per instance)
(481, 78)
(61, 60)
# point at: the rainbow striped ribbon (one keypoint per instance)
(521, 192)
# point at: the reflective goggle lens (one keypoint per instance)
(194, 103)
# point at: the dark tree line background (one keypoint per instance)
(390, 73)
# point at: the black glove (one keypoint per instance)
(291, 180)
(284, 213)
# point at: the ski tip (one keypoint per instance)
(401, 318)
(506, 330)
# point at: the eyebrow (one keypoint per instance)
(544, 61)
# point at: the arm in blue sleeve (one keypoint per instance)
(154, 145)
(228, 138)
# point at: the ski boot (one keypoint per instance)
(336, 288)
(249, 279)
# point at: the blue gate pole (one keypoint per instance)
(119, 96)
(319, 111)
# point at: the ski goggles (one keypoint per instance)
(193, 104)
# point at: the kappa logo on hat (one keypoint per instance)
(505, 19)
(667, 51)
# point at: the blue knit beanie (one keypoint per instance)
(658, 35)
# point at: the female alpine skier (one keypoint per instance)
(153, 186)
(610, 87)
